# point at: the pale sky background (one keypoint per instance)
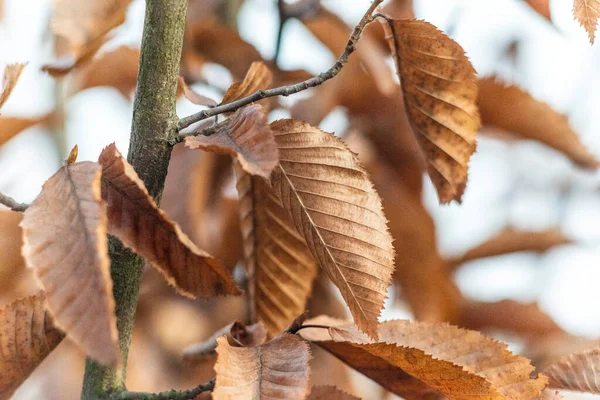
(510, 183)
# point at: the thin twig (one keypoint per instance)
(205, 132)
(292, 89)
(300, 9)
(282, 20)
(12, 203)
(170, 395)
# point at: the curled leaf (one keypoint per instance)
(333, 206)
(194, 96)
(414, 359)
(257, 78)
(586, 12)
(513, 110)
(9, 80)
(440, 91)
(27, 336)
(134, 217)
(578, 371)
(246, 136)
(64, 241)
(277, 369)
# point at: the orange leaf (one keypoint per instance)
(412, 359)
(194, 96)
(9, 80)
(542, 7)
(134, 217)
(329, 393)
(27, 336)
(440, 91)
(586, 12)
(578, 371)
(12, 126)
(64, 241)
(277, 369)
(257, 78)
(333, 206)
(514, 110)
(247, 136)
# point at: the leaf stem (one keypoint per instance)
(291, 89)
(12, 203)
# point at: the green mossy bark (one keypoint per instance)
(154, 125)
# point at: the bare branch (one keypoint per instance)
(299, 9)
(291, 89)
(12, 203)
(169, 395)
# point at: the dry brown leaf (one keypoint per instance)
(586, 12)
(194, 96)
(511, 240)
(279, 265)
(64, 241)
(277, 369)
(578, 371)
(12, 126)
(246, 136)
(514, 110)
(329, 393)
(134, 217)
(440, 92)
(116, 68)
(83, 26)
(542, 7)
(333, 206)
(11, 262)
(257, 78)
(9, 80)
(525, 319)
(27, 336)
(416, 358)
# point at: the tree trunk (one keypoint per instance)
(154, 124)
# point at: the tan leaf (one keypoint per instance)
(134, 217)
(578, 371)
(257, 78)
(586, 12)
(12, 126)
(412, 359)
(64, 241)
(329, 393)
(277, 369)
(542, 7)
(246, 136)
(440, 91)
(9, 80)
(511, 240)
(27, 336)
(84, 26)
(280, 267)
(514, 110)
(525, 319)
(333, 206)
(101, 71)
(194, 96)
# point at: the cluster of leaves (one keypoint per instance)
(305, 202)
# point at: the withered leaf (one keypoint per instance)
(246, 136)
(257, 78)
(329, 393)
(194, 96)
(510, 240)
(101, 71)
(11, 126)
(586, 12)
(27, 336)
(277, 369)
(134, 217)
(279, 265)
(333, 206)
(64, 241)
(514, 110)
(412, 359)
(578, 371)
(542, 7)
(9, 80)
(84, 26)
(440, 92)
